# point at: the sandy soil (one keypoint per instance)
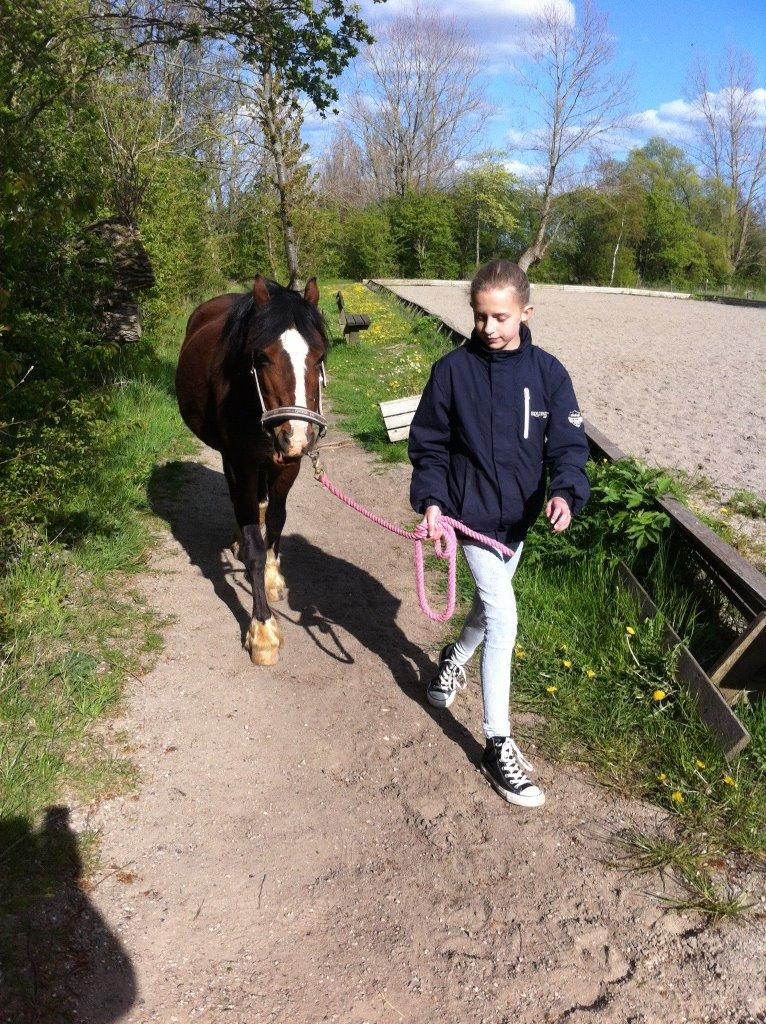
(675, 382)
(312, 843)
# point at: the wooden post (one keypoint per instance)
(727, 730)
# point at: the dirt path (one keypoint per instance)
(311, 843)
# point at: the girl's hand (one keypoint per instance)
(429, 521)
(558, 512)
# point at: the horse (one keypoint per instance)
(248, 382)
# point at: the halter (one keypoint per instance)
(293, 412)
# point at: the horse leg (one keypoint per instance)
(247, 486)
(280, 483)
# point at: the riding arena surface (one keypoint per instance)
(312, 842)
(678, 383)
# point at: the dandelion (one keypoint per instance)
(677, 797)
(551, 689)
(699, 764)
(566, 663)
(729, 781)
(630, 631)
(724, 510)
(659, 695)
(590, 673)
(662, 777)
(520, 653)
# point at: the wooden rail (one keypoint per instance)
(743, 666)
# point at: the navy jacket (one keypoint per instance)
(491, 426)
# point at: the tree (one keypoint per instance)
(422, 226)
(486, 207)
(416, 106)
(582, 101)
(731, 144)
(309, 42)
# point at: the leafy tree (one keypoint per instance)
(367, 247)
(422, 227)
(486, 210)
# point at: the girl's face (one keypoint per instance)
(497, 315)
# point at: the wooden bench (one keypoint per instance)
(351, 323)
(397, 416)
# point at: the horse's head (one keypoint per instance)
(288, 349)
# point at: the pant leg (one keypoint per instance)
(494, 608)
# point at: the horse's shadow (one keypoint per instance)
(60, 961)
(327, 595)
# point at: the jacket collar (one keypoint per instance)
(478, 348)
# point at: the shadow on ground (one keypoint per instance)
(328, 596)
(60, 961)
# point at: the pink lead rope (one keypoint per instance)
(445, 547)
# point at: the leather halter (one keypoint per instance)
(270, 417)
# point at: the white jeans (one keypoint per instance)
(493, 620)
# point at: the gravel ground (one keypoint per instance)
(675, 382)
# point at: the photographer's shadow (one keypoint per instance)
(61, 962)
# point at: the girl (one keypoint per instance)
(497, 417)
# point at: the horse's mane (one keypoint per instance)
(247, 329)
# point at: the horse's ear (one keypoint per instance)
(261, 295)
(311, 291)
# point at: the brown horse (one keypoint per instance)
(249, 384)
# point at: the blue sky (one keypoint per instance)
(655, 41)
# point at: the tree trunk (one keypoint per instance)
(536, 250)
(478, 228)
(616, 250)
(270, 124)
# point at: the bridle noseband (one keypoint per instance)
(270, 417)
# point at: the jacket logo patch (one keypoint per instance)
(575, 418)
(540, 413)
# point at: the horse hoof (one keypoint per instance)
(263, 641)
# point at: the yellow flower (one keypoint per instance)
(519, 652)
(662, 777)
(566, 663)
(659, 695)
(590, 673)
(729, 781)
(699, 764)
(724, 510)
(676, 797)
(630, 631)
(551, 689)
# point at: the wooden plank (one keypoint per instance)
(743, 666)
(744, 577)
(396, 405)
(399, 433)
(727, 730)
(399, 419)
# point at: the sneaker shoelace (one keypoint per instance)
(451, 677)
(512, 761)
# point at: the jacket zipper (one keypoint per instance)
(526, 413)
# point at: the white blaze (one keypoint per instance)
(297, 349)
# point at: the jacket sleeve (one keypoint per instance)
(429, 448)
(566, 448)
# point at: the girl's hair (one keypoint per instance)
(501, 274)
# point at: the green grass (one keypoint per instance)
(606, 697)
(393, 360)
(71, 627)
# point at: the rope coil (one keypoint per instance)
(445, 547)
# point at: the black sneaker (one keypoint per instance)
(449, 678)
(502, 764)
